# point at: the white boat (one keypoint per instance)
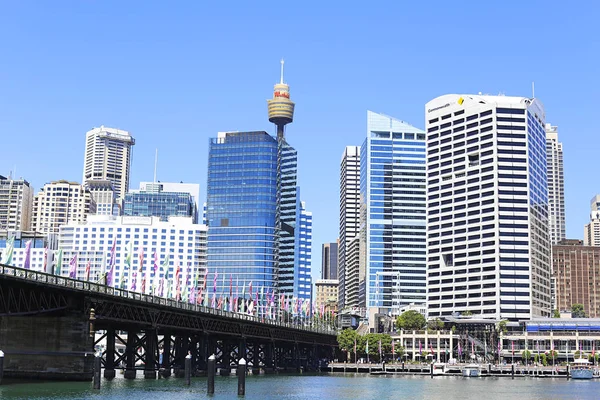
(581, 369)
(439, 369)
(471, 370)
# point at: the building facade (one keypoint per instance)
(326, 294)
(16, 204)
(60, 203)
(241, 210)
(303, 269)
(41, 249)
(591, 231)
(141, 241)
(556, 185)
(329, 260)
(103, 194)
(393, 216)
(152, 200)
(108, 154)
(487, 207)
(349, 226)
(576, 269)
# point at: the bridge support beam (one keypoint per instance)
(268, 361)
(166, 356)
(130, 354)
(109, 364)
(225, 369)
(150, 356)
(256, 358)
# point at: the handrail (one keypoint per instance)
(61, 281)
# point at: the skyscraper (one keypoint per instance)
(556, 185)
(487, 207)
(591, 231)
(162, 200)
(60, 203)
(16, 203)
(103, 194)
(302, 276)
(329, 261)
(349, 224)
(241, 210)
(392, 225)
(108, 156)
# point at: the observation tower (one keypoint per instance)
(281, 108)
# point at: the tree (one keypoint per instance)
(544, 359)
(555, 313)
(410, 320)
(373, 339)
(552, 355)
(579, 354)
(577, 311)
(502, 327)
(526, 356)
(435, 324)
(346, 340)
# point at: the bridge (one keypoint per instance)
(51, 326)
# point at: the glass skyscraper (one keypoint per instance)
(160, 204)
(241, 211)
(393, 219)
(302, 276)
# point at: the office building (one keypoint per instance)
(303, 255)
(177, 242)
(326, 295)
(41, 249)
(349, 224)
(487, 207)
(556, 185)
(103, 194)
(329, 260)
(392, 227)
(241, 210)
(576, 269)
(16, 203)
(108, 154)
(60, 203)
(162, 200)
(591, 231)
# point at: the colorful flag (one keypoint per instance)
(499, 347)
(230, 286)
(88, 267)
(27, 262)
(111, 265)
(45, 259)
(73, 267)
(215, 282)
(431, 348)
(178, 282)
(355, 349)
(459, 350)
(393, 348)
(58, 266)
(7, 255)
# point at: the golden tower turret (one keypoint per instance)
(281, 108)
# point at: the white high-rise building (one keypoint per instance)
(108, 154)
(60, 203)
(349, 225)
(591, 234)
(104, 196)
(16, 203)
(177, 242)
(488, 246)
(556, 185)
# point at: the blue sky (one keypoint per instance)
(176, 73)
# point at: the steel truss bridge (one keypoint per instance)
(48, 328)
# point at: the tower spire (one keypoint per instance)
(282, 62)
(280, 107)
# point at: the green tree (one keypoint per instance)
(502, 327)
(544, 359)
(466, 313)
(536, 358)
(577, 311)
(526, 356)
(552, 356)
(555, 314)
(346, 340)
(410, 320)
(435, 324)
(579, 354)
(373, 340)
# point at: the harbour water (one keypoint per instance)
(313, 387)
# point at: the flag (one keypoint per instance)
(178, 282)
(355, 349)
(420, 348)
(45, 259)
(73, 267)
(431, 348)
(472, 347)
(128, 256)
(27, 262)
(367, 347)
(499, 347)
(459, 350)
(230, 286)
(379, 348)
(250, 288)
(215, 282)
(87, 270)
(393, 349)
(111, 265)
(57, 268)
(7, 255)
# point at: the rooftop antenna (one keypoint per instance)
(155, 162)
(282, 62)
(533, 90)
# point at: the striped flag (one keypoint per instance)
(27, 262)
(88, 267)
(111, 265)
(73, 267)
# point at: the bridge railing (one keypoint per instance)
(86, 286)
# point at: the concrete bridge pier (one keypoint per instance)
(130, 349)
(109, 365)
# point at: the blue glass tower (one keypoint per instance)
(302, 276)
(241, 210)
(392, 191)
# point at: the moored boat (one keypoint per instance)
(581, 369)
(439, 368)
(471, 370)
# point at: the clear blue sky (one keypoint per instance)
(176, 73)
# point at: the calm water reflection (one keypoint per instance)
(334, 386)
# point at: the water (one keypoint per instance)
(314, 387)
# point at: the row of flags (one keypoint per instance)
(265, 303)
